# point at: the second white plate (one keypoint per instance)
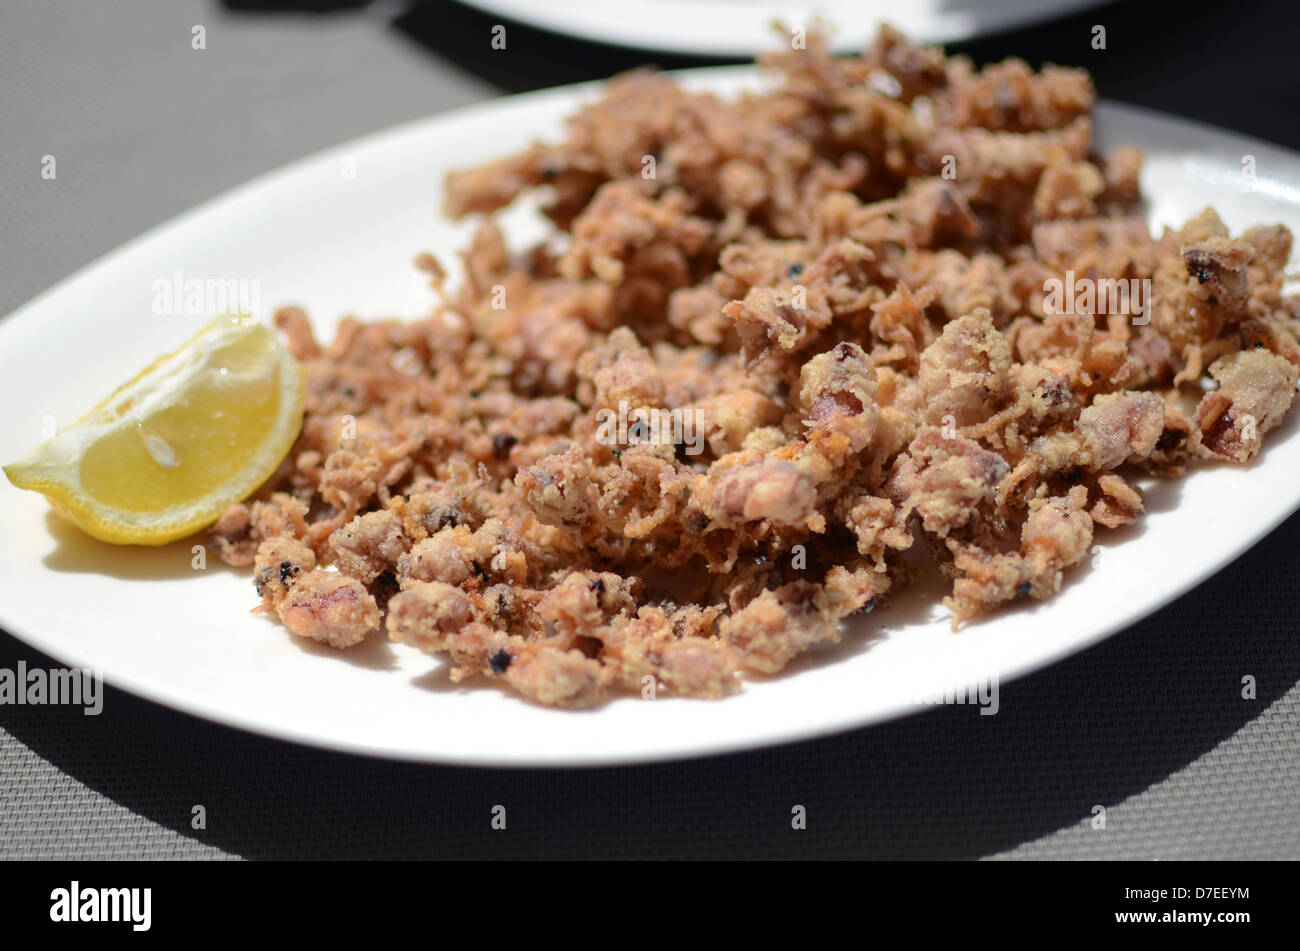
(744, 28)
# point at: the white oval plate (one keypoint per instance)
(336, 232)
(743, 28)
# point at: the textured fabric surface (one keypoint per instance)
(1150, 724)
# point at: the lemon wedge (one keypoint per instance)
(166, 453)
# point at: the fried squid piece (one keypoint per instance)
(1120, 503)
(425, 614)
(323, 605)
(963, 373)
(370, 545)
(777, 490)
(557, 678)
(329, 607)
(674, 651)
(1054, 537)
(838, 394)
(1121, 427)
(1256, 389)
(780, 624)
(944, 479)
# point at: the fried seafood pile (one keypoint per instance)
(843, 284)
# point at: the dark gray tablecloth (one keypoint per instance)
(1150, 724)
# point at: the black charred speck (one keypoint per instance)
(1169, 439)
(867, 608)
(384, 587)
(1055, 394)
(502, 443)
(286, 570)
(1023, 589)
(794, 270)
(598, 586)
(500, 661)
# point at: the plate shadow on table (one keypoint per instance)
(945, 783)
